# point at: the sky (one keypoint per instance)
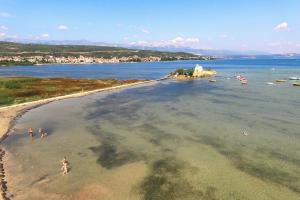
(262, 25)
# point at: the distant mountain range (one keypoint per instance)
(213, 52)
(204, 52)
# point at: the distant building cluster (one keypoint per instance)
(76, 60)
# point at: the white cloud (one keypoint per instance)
(176, 42)
(62, 28)
(45, 35)
(280, 27)
(2, 34)
(4, 14)
(145, 30)
(196, 40)
(42, 36)
(274, 44)
(3, 28)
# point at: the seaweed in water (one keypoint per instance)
(259, 170)
(109, 156)
(155, 135)
(166, 181)
(110, 153)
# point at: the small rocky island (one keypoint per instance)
(197, 72)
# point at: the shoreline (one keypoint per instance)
(13, 111)
(10, 114)
(42, 64)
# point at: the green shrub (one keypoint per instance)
(12, 85)
(187, 72)
(179, 71)
(5, 99)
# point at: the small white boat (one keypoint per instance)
(296, 84)
(280, 80)
(294, 78)
(270, 83)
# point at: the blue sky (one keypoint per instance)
(269, 25)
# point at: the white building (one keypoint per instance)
(198, 70)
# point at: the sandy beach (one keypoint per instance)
(9, 114)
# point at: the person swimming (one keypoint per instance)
(65, 166)
(30, 132)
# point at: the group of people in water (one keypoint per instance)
(65, 163)
(41, 132)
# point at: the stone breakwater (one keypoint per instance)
(3, 182)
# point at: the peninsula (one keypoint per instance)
(31, 54)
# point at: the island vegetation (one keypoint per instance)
(28, 54)
(195, 72)
(15, 90)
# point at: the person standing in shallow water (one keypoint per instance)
(65, 166)
(30, 132)
(42, 132)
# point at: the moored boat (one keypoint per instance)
(296, 84)
(294, 78)
(280, 81)
(244, 82)
(212, 80)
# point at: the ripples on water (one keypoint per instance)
(171, 140)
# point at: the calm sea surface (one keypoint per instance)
(140, 70)
(170, 140)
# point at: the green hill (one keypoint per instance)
(26, 50)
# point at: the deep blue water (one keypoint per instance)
(152, 70)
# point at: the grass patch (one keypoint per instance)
(16, 90)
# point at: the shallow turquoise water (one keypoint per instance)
(170, 140)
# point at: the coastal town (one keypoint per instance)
(73, 59)
(35, 54)
(49, 59)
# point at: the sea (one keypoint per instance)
(187, 140)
